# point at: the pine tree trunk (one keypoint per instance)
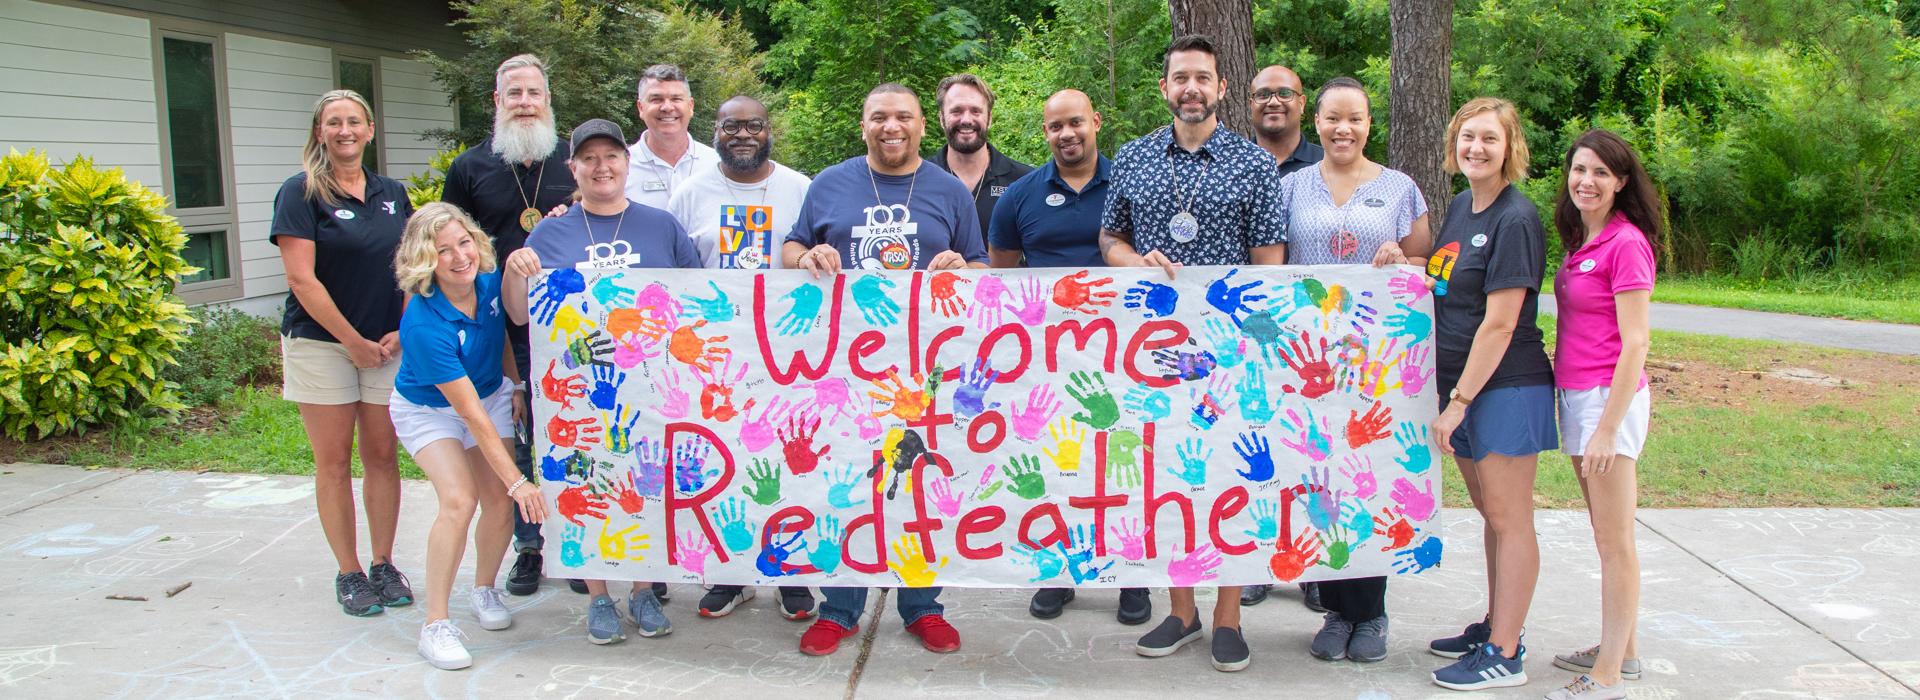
(1230, 24)
(1422, 97)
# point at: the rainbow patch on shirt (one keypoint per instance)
(1440, 266)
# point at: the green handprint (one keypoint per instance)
(1024, 471)
(1123, 462)
(765, 489)
(1091, 391)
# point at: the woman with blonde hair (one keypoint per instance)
(1491, 363)
(337, 224)
(455, 402)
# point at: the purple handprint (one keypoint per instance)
(1198, 565)
(650, 479)
(1414, 503)
(1323, 505)
(970, 398)
(1030, 421)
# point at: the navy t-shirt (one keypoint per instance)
(653, 235)
(917, 216)
(1503, 247)
(1041, 216)
(353, 245)
(444, 344)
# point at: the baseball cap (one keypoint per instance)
(597, 128)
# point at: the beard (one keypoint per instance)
(518, 143)
(1210, 107)
(1274, 132)
(739, 164)
(979, 138)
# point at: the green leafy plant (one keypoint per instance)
(425, 186)
(228, 348)
(87, 316)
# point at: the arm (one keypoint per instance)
(466, 402)
(296, 255)
(510, 370)
(1269, 254)
(1118, 249)
(1489, 347)
(1003, 231)
(1632, 309)
(1003, 257)
(522, 264)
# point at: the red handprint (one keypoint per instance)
(1289, 562)
(1370, 427)
(1074, 293)
(562, 389)
(716, 396)
(700, 353)
(624, 495)
(1310, 365)
(578, 501)
(576, 434)
(1399, 534)
(796, 443)
(946, 297)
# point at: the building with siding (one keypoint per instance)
(209, 101)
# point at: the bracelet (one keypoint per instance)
(519, 386)
(515, 486)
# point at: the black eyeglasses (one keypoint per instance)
(1271, 95)
(753, 128)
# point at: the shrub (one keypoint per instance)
(228, 348)
(427, 185)
(89, 261)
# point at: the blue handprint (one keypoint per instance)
(1153, 405)
(651, 478)
(1254, 405)
(1080, 557)
(773, 557)
(1258, 453)
(554, 290)
(735, 532)
(719, 309)
(826, 550)
(870, 294)
(688, 459)
(970, 397)
(606, 386)
(1230, 300)
(610, 293)
(571, 553)
(1411, 324)
(800, 316)
(1193, 456)
(1154, 299)
(1229, 347)
(1046, 563)
(555, 470)
(1421, 558)
(840, 487)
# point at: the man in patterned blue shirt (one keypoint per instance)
(1194, 193)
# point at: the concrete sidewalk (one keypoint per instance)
(1872, 336)
(1736, 604)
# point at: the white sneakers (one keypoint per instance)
(440, 645)
(490, 605)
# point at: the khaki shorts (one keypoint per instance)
(319, 372)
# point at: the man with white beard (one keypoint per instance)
(506, 184)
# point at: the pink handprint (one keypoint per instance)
(1414, 503)
(673, 402)
(1132, 547)
(1409, 283)
(867, 422)
(944, 499)
(633, 349)
(1033, 300)
(1360, 471)
(1198, 565)
(1030, 421)
(759, 433)
(986, 310)
(1412, 379)
(692, 551)
(833, 398)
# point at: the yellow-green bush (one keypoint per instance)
(88, 262)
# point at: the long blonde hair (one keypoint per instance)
(415, 258)
(313, 157)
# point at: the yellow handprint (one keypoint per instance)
(616, 544)
(912, 566)
(570, 322)
(1067, 437)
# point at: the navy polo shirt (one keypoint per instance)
(444, 344)
(353, 245)
(1055, 226)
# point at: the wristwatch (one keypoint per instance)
(1456, 397)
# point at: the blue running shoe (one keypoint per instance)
(1484, 668)
(647, 616)
(1466, 643)
(603, 622)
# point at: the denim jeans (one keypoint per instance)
(526, 535)
(844, 605)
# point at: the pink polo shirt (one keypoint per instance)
(1588, 346)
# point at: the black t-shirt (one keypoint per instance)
(1503, 247)
(353, 245)
(1001, 173)
(494, 192)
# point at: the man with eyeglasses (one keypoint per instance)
(1278, 104)
(665, 155)
(738, 213)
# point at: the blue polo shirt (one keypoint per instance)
(440, 344)
(1054, 225)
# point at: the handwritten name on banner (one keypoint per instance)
(1056, 427)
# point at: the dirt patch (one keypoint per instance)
(1791, 377)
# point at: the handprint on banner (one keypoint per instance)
(650, 472)
(1154, 300)
(773, 557)
(1033, 302)
(1185, 364)
(1194, 456)
(590, 349)
(1024, 473)
(1132, 546)
(970, 397)
(1362, 430)
(716, 390)
(1323, 505)
(1412, 378)
(827, 536)
(1264, 329)
(1310, 365)
(1123, 458)
(578, 502)
(1413, 325)
(1046, 563)
(1233, 301)
(553, 292)
(832, 398)
(1421, 558)
(987, 311)
(765, 489)
(945, 499)
(562, 390)
(912, 563)
(1067, 436)
(610, 293)
(1311, 439)
(1254, 449)
(1031, 420)
(645, 327)
(620, 487)
(802, 313)
(1229, 345)
(1198, 565)
(946, 294)
(1254, 405)
(1417, 453)
(842, 485)
(1264, 525)
(1075, 293)
(1099, 410)
(796, 443)
(579, 434)
(689, 461)
(905, 402)
(1210, 405)
(1407, 283)
(623, 544)
(632, 349)
(606, 386)
(1153, 405)
(1359, 470)
(735, 531)
(758, 429)
(569, 323)
(870, 294)
(572, 550)
(674, 402)
(1414, 503)
(1398, 531)
(692, 552)
(1290, 560)
(898, 453)
(1080, 557)
(716, 309)
(687, 346)
(572, 468)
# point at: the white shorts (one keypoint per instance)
(419, 426)
(1580, 411)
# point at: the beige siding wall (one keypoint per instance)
(411, 103)
(79, 82)
(271, 86)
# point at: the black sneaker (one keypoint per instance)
(1136, 606)
(1254, 594)
(1048, 603)
(1167, 638)
(1230, 652)
(577, 585)
(723, 599)
(390, 584)
(524, 577)
(356, 595)
(1310, 597)
(796, 602)
(660, 591)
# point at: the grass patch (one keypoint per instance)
(1856, 296)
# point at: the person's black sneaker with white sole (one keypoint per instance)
(1048, 603)
(1136, 606)
(390, 584)
(1230, 652)
(796, 602)
(723, 599)
(1167, 638)
(524, 577)
(356, 595)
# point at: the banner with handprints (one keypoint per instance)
(1006, 428)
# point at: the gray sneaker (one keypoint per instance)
(1369, 641)
(1582, 662)
(647, 616)
(1167, 638)
(1331, 642)
(1230, 652)
(603, 622)
(1584, 688)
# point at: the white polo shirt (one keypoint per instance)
(651, 181)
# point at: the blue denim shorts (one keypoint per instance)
(1516, 421)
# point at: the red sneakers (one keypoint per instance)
(934, 633)
(824, 637)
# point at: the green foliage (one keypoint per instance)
(1109, 49)
(425, 186)
(595, 52)
(88, 319)
(227, 348)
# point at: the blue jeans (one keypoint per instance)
(844, 605)
(526, 535)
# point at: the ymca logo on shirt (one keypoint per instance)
(746, 236)
(889, 241)
(388, 205)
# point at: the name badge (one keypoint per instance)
(653, 186)
(1056, 199)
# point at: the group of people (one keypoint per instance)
(408, 326)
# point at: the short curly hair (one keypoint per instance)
(417, 256)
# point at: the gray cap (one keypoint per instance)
(597, 128)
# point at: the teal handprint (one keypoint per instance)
(805, 309)
(610, 293)
(1193, 456)
(840, 488)
(1254, 405)
(1414, 325)
(735, 532)
(1264, 527)
(571, 553)
(765, 489)
(1229, 348)
(1046, 563)
(1153, 405)
(870, 294)
(719, 309)
(826, 552)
